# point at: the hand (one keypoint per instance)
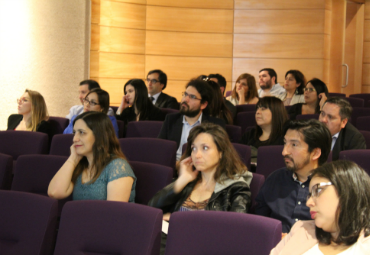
(74, 156)
(186, 171)
(283, 235)
(124, 102)
(166, 216)
(323, 98)
(240, 91)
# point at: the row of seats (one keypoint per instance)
(29, 222)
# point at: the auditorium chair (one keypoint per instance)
(307, 117)
(364, 96)
(6, 168)
(57, 125)
(363, 123)
(257, 181)
(356, 102)
(61, 145)
(245, 120)
(358, 112)
(246, 108)
(144, 129)
(366, 135)
(336, 95)
(360, 157)
(234, 132)
(269, 159)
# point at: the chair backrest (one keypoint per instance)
(6, 168)
(144, 129)
(234, 132)
(16, 143)
(168, 110)
(61, 145)
(57, 125)
(358, 112)
(151, 178)
(245, 120)
(246, 108)
(121, 128)
(336, 95)
(244, 152)
(307, 117)
(28, 223)
(256, 184)
(228, 93)
(363, 123)
(269, 159)
(360, 157)
(107, 227)
(355, 102)
(366, 135)
(150, 150)
(209, 232)
(364, 96)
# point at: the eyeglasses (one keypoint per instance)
(22, 100)
(193, 97)
(309, 89)
(154, 81)
(317, 189)
(86, 101)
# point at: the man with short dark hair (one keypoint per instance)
(283, 195)
(157, 82)
(335, 114)
(83, 90)
(268, 83)
(193, 112)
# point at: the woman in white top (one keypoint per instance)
(245, 90)
(294, 85)
(339, 204)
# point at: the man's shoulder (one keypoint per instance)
(173, 116)
(167, 97)
(280, 175)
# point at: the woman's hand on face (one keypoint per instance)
(74, 156)
(166, 216)
(186, 171)
(323, 99)
(240, 91)
(124, 102)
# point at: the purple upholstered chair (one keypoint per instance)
(307, 117)
(58, 125)
(336, 95)
(121, 128)
(228, 93)
(358, 112)
(234, 132)
(107, 227)
(363, 123)
(269, 159)
(246, 108)
(209, 232)
(144, 129)
(364, 96)
(6, 168)
(28, 223)
(245, 120)
(150, 150)
(360, 157)
(151, 178)
(356, 102)
(244, 152)
(16, 143)
(256, 184)
(366, 135)
(61, 145)
(168, 110)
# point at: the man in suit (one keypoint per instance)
(335, 114)
(157, 82)
(193, 112)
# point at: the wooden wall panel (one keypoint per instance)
(125, 15)
(132, 1)
(94, 64)
(189, 44)
(114, 65)
(367, 31)
(95, 37)
(115, 88)
(279, 21)
(366, 52)
(212, 4)
(278, 46)
(95, 11)
(367, 9)
(366, 74)
(122, 40)
(189, 20)
(185, 68)
(279, 4)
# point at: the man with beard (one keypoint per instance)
(193, 111)
(283, 195)
(268, 84)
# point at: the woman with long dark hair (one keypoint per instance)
(294, 86)
(245, 90)
(217, 106)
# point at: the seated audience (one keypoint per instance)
(268, 83)
(97, 100)
(283, 195)
(211, 177)
(315, 94)
(136, 105)
(85, 87)
(334, 115)
(32, 114)
(96, 168)
(340, 208)
(217, 106)
(294, 85)
(193, 112)
(245, 90)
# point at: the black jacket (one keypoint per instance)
(232, 195)
(43, 126)
(166, 101)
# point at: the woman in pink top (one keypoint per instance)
(339, 203)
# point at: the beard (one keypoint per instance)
(294, 167)
(268, 85)
(184, 109)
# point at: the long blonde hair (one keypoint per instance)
(39, 111)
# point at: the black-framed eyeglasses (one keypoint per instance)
(309, 89)
(92, 103)
(154, 81)
(193, 97)
(317, 189)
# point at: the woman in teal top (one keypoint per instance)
(96, 168)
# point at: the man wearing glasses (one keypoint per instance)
(157, 81)
(283, 195)
(193, 111)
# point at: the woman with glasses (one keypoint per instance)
(339, 204)
(315, 95)
(294, 86)
(97, 100)
(136, 105)
(32, 114)
(245, 90)
(96, 168)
